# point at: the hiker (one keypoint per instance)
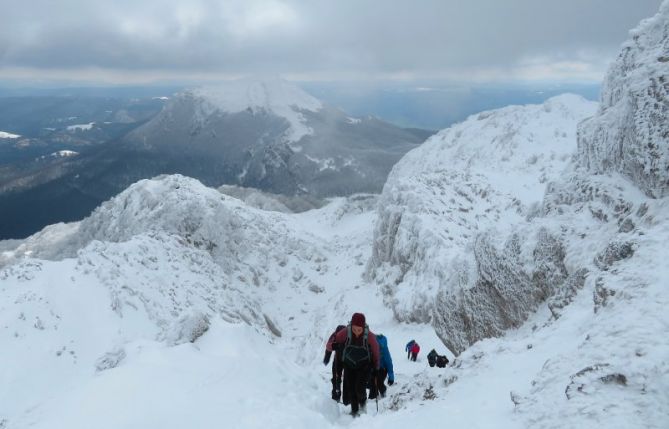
(408, 348)
(441, 361)
(337, 367)
(377, 384)
(360, 358)
(432, 357)
(414, 351)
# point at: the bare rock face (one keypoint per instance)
(630, 133)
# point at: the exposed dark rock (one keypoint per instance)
(602, 294)
(505, 292)
(627, 225)
(565, 294)
(614, 252)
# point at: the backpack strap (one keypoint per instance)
(365, 335)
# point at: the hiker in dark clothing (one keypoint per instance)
(337, 366)
(432, 357)
(441, 361)
(377, 384)
(408, 348)
(360, 357)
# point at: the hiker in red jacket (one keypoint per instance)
(360, 358)
(337, 368)
(414, 351)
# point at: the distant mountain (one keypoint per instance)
(273, 136)
(268, 135)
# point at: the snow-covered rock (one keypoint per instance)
(446, 204)
(630, 133)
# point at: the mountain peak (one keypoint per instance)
(274, 95)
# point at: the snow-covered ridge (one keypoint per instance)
(630, 133)
(525, 145)
(156, 268)
(274, 95)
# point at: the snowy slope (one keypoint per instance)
(103, 339)
(152, 269)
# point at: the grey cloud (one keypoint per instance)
(346, 36)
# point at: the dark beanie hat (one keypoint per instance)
(358, 319)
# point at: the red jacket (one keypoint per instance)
(415, 348)
(331, 341)
(342, 335)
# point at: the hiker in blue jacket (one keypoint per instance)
(409, 347)
(377, 383)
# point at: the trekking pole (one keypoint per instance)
(376, 384)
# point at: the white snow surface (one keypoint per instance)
(81, 127)
(277, 96)
(6, 135)
(65, 153)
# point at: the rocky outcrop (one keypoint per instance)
(450, 246)
(630, 133)
(506, 291)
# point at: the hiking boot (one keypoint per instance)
(336, 394)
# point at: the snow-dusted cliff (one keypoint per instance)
(630, 133)
(449, 205)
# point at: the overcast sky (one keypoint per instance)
(130, 41)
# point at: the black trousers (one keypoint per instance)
(337, 369)
(355, 387)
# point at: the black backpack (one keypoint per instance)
(441, 361)
(356, 357)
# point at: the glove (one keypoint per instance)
(391, 382)
(336, 394)
(326, 358)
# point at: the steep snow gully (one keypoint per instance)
(543, 279)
